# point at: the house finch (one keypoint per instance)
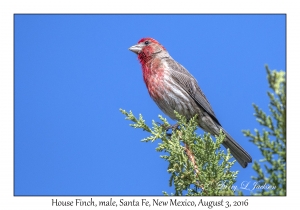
(172, 87)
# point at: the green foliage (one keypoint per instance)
(209, 173)
(272, 140)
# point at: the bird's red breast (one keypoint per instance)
(153, 74)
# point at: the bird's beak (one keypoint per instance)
(136, 48)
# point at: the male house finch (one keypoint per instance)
(172, 87)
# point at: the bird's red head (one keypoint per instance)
(146, 49)
(149, 40)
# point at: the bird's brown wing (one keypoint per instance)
(190, 85)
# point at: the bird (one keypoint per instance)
(172, 87)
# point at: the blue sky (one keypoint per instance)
(72, 73)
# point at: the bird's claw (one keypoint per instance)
(173, 127)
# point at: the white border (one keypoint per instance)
(9, 8)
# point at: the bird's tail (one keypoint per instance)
(237, 150)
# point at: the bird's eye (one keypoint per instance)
(146, 42)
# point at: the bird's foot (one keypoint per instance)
(173, 127)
